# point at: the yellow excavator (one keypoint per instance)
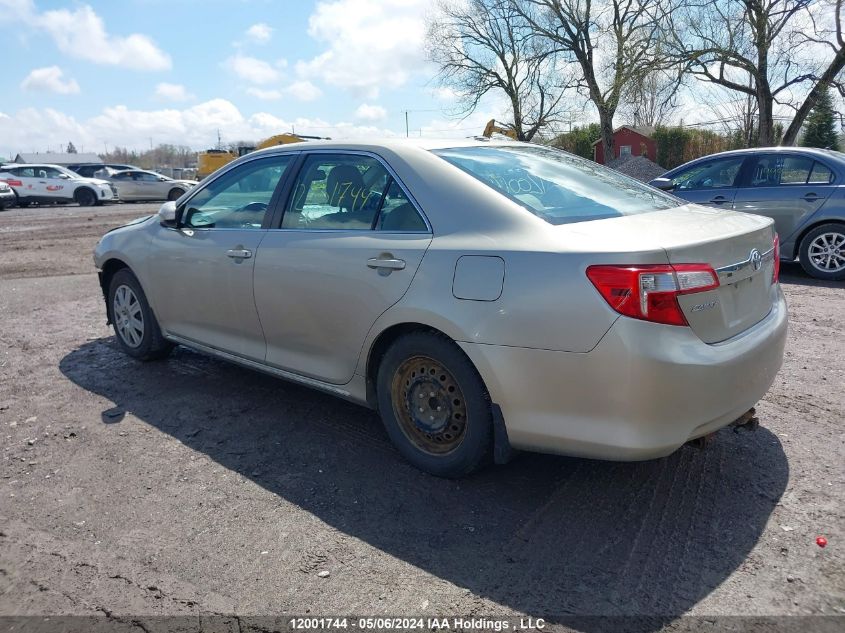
(494, 128)
(211, 160)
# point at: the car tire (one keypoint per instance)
(175, 194)
(434, 405)
(85, 197)
(822, 252)
(135, 326)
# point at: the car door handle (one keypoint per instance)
(239, 253)
(387, 262)
(811, 197)
(719, 200)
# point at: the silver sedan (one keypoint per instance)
(139, 184)
(482, 296)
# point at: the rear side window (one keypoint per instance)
(772, 170)
(346, 192)
(821, 174)
(558, 187)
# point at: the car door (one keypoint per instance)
(786, 187)
(146, 185)
(711, 182)
(201, 274)
(349, 243)
(124, 184)
(33, 181)
(56, 184)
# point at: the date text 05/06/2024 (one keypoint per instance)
(416, 623)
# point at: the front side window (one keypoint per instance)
(52, 172)
(558, 187)
(337, 192)
(239, 199)
(712, 174)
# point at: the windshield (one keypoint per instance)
(558, 187)
(67, 172)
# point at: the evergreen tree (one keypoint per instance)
(820, 131)
(71, 148)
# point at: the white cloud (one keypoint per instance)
(259, 33)
(50, 79)
(34, 129)
(303, 90)
(172, 92)
(82, 33)
(370, 112)
(251, 69)
(265, 95)
(371, 45)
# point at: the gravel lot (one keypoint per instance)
(193, 486)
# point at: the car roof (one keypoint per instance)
(809, 151)
(16, 165)
(398, 145)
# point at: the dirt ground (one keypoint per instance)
(193, 486)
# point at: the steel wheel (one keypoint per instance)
(429, 405)
(827, 252)
(128, 316)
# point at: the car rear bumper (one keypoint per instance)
(644, 391)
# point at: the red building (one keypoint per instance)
(628, 141)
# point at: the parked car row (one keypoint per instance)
(25, 184)
(801, 189)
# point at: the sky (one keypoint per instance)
(135, 73)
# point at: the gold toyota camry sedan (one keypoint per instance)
(483, 296)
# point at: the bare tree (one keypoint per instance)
(772, 50)
(831, 38)
(649, 99)
(610, 43)
(485, 46)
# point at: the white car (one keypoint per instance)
(139, 184)
(53, 183)
(7, 196)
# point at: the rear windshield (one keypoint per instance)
(555, 186)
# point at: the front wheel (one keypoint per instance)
(85, 198)
(822, 252)
(434, 405)
(135, 325)
(175, 194)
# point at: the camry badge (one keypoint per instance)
(756, 259)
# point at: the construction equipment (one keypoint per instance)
(493, 128)
(211, 160)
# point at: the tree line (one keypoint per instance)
(760, 66)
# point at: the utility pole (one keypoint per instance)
(406, 123)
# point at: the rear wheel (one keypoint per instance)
(85, 197)
(135, 325)
(175, 194)
(434, 405)
(822, 252)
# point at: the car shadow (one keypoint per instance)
(547, 536)
(792, 273)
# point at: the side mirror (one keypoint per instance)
(167, 213)
(664, 184)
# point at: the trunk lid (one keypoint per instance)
(738, 246)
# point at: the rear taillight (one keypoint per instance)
(776, 253)
(650, 293)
